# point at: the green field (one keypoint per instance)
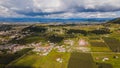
(100, 49)
(111, 63)
(81, 60)
(37, 61)
(94, 37)
(28, 40)
(113, 43)
(7, 58)
(98, 46)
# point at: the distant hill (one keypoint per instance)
(47, 20)
(115, 21)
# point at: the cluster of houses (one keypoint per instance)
(4, 32)
(60, 49)
(8, 33)
(43, 50)
(63, 48)
(69, 42)
(11, 48)
(38, 48)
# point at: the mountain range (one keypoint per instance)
(47, 20)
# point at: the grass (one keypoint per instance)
(37, 61)
(111, 63)
(94, 38)
(100, 49)
(7, 58)
(113, 43)
(104, 65)
(97, 44)
(81, 60)
(29, 39)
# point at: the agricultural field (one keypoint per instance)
(113, 43)
(7, 58)
(94, 37)
(107, 60)
(52, 60)
(98, 46)
(81, 60)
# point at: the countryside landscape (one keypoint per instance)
(60, 45)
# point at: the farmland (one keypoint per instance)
(61, 46)
(112, 62)
(7, 58)
(81, 60)
(99, 46)
(37, 61)
(113, 43)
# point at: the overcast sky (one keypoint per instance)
(60, 8)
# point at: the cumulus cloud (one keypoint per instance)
(59, 8)
(94, 5)
(84, 15)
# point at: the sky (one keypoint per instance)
(60, 8)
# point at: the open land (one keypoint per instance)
(60, 45)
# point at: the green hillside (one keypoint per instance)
(115, 21)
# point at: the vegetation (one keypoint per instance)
(101, 31)
(115, 21)
(111, 63)
(37, 61)
(78, 46)
(55, 38)
(7, 58)
(113, 43)
(94, 38)
(75, 31)
(98, 44)
(39, 29)
(5, 27)
(85, 32)
(81, 60)
(26, 40)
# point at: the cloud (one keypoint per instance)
(77, 5)
(84, 15)
(48, 6)
(59, 8)
(92, 5)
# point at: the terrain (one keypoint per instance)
(60, 45)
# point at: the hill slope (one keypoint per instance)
(115, 21)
